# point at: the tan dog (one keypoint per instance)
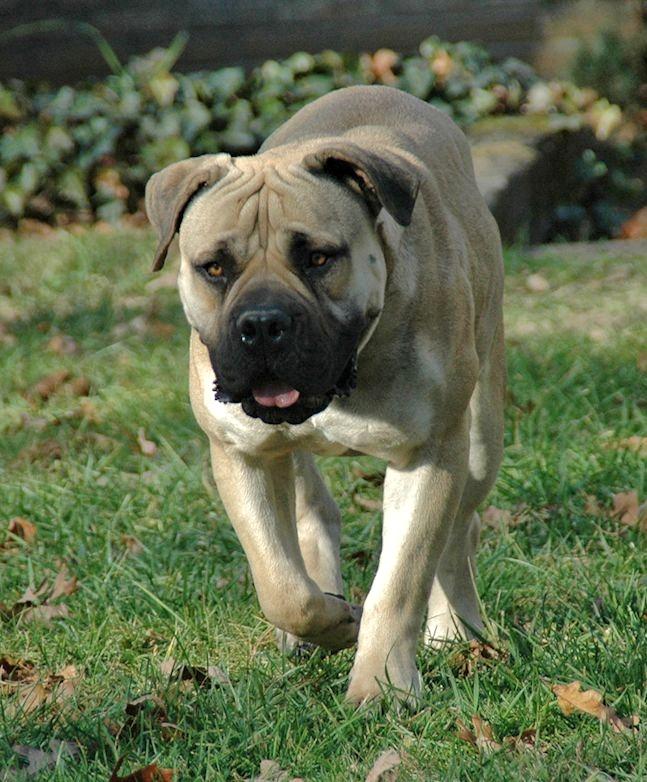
(344, 287)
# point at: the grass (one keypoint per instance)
(563, 591)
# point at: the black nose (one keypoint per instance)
(269, 326)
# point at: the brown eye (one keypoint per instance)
(319, 259)
(214, 270)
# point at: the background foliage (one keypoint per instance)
(84, 153)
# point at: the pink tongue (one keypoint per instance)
(275, 395)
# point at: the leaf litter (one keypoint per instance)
(571, 699)
(38, 604)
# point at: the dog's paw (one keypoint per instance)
(343, 633)
(370, 685)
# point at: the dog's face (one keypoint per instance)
(283, 277)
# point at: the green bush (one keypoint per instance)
(85, 153)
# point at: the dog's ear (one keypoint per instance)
(385, 180)
(169, 191)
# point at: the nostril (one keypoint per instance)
(248, 331)
(275, 330)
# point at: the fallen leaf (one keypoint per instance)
(635, 443)
(496, 517)
(29, 698)
(31, 606)
(536, 283)
(38, 759)
(481, 737)
(151, 773)
(366, 503)
(194, 673)
(132, 545)
(374, 478)
(625, 507)
(22, 529)
(63, 585)
(571, 698)
(270, 771)
(79, 386)
(525, 741)
(33, 690)
(467, 660)
(592, 506)
(384, 768)
(45, 613)
(45, 451)
(13, 670)
(50, 384)
(636, 226)
(147, 447)
(63, 345)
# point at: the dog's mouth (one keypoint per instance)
(276, 402)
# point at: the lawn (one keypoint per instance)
(116, 483)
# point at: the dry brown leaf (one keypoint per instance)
(29, 698)
(79, 386)
(45, 451)
(147, 447)
(374, 478)
(625, 507)
(496, 517)
(270, 771)
(132, 545)
(466, 661)
(45, 613)
(201, 676)
(151, 773)
(636, 226)
(50, 384)
(21, 528)
(537, 283)
(63, 585)
(38, 759)
(481, 737)
(31, 607)
(366, 503)
(525, 741)
(592, 506)
(636, 443)
(32, 691)
(16, 671)
(63, 345)
(385, 767)
(571, 698)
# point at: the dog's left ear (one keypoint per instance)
(385, 180)
(169, 191)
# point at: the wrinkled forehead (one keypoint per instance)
(263, 206)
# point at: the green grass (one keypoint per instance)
(563, 592)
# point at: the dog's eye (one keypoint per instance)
(214, 269)
(318, 259)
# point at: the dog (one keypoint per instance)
(344, 292)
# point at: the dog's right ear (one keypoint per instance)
(169, 191)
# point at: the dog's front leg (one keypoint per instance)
(259, 497)
(420, 502)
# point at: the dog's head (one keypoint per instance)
(282, 273)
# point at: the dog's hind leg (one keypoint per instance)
(453, 610)
(319, 531)
(318, 525)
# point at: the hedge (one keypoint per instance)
(85, 153)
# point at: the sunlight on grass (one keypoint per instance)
(161, 574)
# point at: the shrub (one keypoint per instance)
(83, 153)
